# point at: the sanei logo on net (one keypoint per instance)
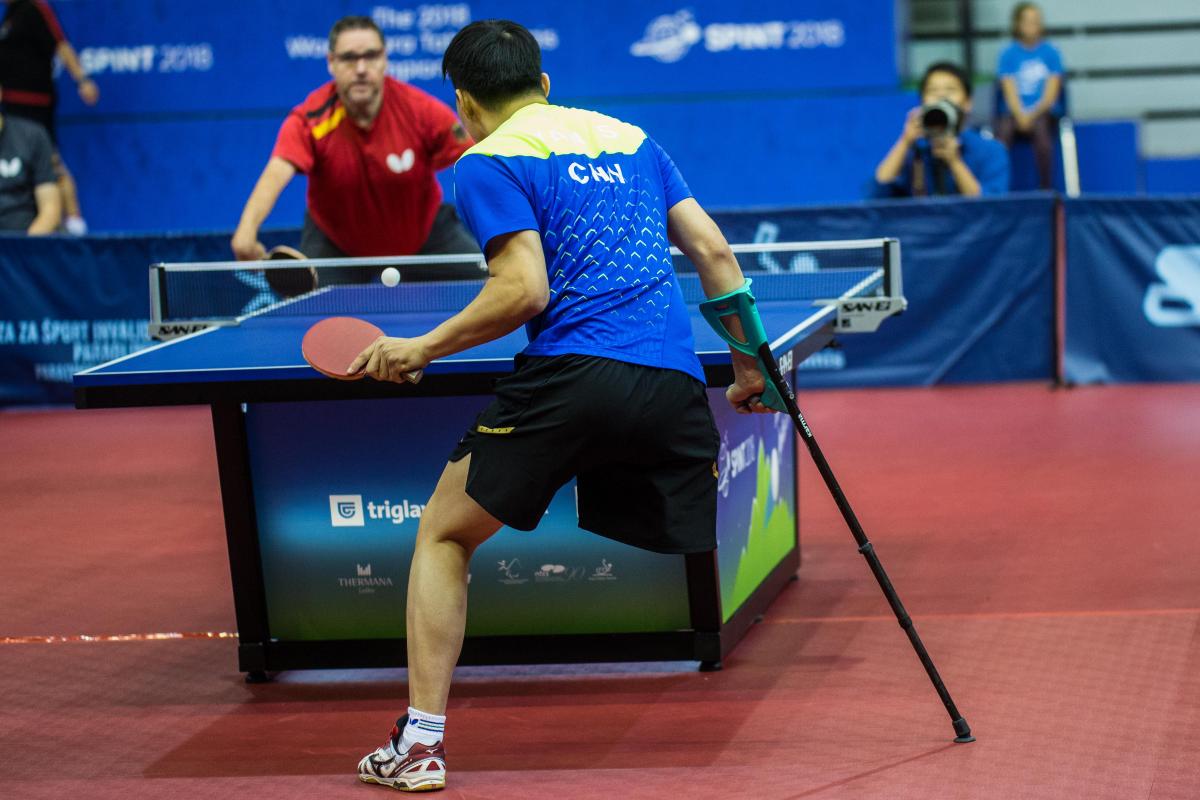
(349, 510)
(364, 581)
(669, 37)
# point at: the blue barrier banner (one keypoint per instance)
(71, 303)
(228, 55)
(977, 274)
(1133, 290)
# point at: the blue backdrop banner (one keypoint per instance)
(1133, 290)
(781, 102)
(977, 274)
(233, 55)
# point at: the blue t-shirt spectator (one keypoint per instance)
(1030, 68)
(924, 175)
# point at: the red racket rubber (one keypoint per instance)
(331, 345)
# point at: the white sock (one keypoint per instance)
(422, 728)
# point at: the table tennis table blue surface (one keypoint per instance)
(266, 346)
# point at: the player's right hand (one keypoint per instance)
(247, 247)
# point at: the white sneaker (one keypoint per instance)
(422, 768)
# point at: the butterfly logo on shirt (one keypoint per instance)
(401, 163)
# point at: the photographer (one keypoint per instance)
(934, 154)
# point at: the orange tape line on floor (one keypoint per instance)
(116, 637)
(159, 637)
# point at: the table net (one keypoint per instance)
(187, 297)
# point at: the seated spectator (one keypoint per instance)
(1030, 72)
(29, 196)
(31, 39)
(935, 155)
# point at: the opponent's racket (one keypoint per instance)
(289, 282)
(331, 345)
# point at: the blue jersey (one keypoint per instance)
(598, 191)
(1030, 68)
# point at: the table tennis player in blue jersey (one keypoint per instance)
(575, 212)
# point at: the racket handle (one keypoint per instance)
(414, 376)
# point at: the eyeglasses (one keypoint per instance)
(351, 59)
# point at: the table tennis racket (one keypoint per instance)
(290, 282)
(331, 345)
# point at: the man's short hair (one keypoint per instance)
(495, 60)
(351, 23)
(951, 68)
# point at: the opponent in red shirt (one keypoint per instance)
(371, 147)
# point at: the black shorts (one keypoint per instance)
(641, 441)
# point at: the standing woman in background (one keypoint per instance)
(1030, 73)
(30, 39)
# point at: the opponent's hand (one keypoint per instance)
(1024, 121)
(391, 359)
(246, 246)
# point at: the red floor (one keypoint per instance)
(1045, 542)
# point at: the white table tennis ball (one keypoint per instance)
(390, 276)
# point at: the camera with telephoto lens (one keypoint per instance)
(940, 118)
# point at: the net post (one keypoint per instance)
(158, 300)
(892, 274)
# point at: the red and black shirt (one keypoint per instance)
(373, 192)
(29, 38)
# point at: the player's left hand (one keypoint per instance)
(745, 395)
(390, 359)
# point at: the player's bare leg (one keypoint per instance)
(452, 526)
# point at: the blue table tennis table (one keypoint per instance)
(321, 585)
(256, 352)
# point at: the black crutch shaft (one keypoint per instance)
(961, 728)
